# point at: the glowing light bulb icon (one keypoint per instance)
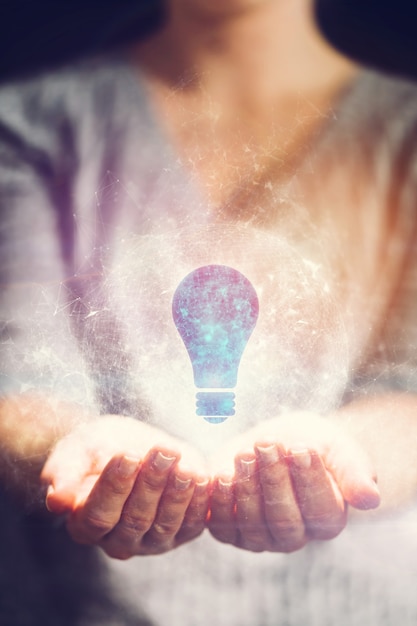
(215, 309)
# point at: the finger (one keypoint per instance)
(282, 513)
(170, 514)
(59, 502)
(222, 522)
(63, 474)
(100, 511)
(141, 507)
(196, 514)
(343, 457)
(353, 472)
(253, 531)
(320, 501)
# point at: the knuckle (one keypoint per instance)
(272, 480)
(164, 529)
(97, 524)
(247, 488)
(326, 525)
(116, 487)
(154, 543)
(179, 497)
(153, 481)
(288, 536)
(324, 530)
(88, 530)
(133, 525)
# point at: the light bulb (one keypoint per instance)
(215, 309)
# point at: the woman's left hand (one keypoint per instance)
(292, 480)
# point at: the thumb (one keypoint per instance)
(64, 473)
(353, 472)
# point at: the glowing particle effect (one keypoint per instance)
(215, 309)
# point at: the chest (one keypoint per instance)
(310, 333)
(317, 265)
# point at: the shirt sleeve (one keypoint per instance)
(37, 346)
(392, 365)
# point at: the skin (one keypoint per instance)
(212, 81)
(284, 493)
(280, 496)
(146, 501)
(130, 488)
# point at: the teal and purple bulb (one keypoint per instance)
(215, 309)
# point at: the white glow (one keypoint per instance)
(296, 358)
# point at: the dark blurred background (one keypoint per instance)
(41, 34)
(379, 33)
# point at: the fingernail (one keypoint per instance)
(224, 485)
(247, 467)
(162, 463)
(182, 483)
(370, 500)
(127, 466)
(301, 457)
(268, 454)
(201, 486)
(374, 498)
(49, 492)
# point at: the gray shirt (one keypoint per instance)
(100, 220)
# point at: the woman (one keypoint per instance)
(233, 136)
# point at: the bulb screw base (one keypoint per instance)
(215, 406)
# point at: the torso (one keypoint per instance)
(322, 246)
(312, 244)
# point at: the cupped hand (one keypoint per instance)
(291, 482)
(127, 487)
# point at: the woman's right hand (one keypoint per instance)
(122, 486)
